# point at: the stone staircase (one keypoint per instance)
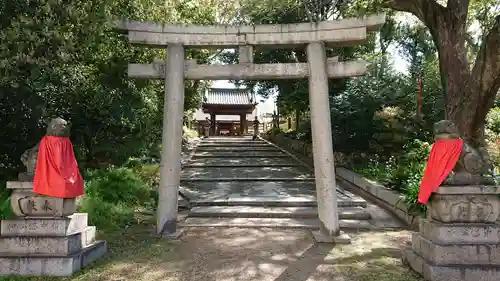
(237, 182)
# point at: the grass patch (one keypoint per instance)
(382, 269)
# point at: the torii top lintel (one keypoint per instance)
(350, 31)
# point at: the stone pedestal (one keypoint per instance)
(25, 203)
(459, 239)
(46, 238)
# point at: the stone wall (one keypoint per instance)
(303, 149)
(300, 148)
(387, 198)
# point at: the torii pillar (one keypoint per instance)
(324, 167)
(170, 167)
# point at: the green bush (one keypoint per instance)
(493, 120)
(493, 137)
(410, 192)
(382, 171)
(5, 209)
(189, 132)
(402, 173)
(149, 173)
(107, 216)
(113, 195)
(410, 164)
(117, 185)
(274, 131)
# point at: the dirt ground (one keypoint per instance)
(238, 254)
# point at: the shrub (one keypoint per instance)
(493, 120)
(493, 137)
(410, 164)
(189, 133)
(5, 208)
(410, 193)
(107, 216)
(382, 171)
(113, 195)
(402, 173)
(149, 173)
(117, 185)
(274, 131)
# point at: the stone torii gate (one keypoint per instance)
(175, 38)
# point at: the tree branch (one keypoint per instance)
(457, 12)
(486, 70)
(458, 7)
(308, 12)
(428, 11)
(410, 6)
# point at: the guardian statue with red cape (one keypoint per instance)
(453, 162)
(56, 172)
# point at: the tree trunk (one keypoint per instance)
(469, 94)
(297, 120)
(455, 76)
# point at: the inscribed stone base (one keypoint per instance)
(464, 204)
(433, 272)
(52, 265)
(26, 203)
(460, 233)
(451, 253)
(44, 226)
(321, 237)
(48, 246)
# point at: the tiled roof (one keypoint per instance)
(229, 96)
(200, 116)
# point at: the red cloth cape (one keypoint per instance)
(444, 155)
(57, 173)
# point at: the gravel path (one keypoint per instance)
(232, 254)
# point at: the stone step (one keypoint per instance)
(44, 226)
(235, 144)
(350, 213)
(182, 203)
(47, 245)
(245, 172)
(216, 145)
(232, 141)
(272, 223)
(236, 149)
(246, 154)
(229, 165)
(235, 160)
(272, 202)
(235, 179)
(47, 265)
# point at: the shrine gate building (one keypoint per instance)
(231, 111)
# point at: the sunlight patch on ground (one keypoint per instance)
(233, 254)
